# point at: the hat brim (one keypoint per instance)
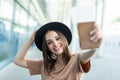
(52, 26)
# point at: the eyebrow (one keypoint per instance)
(50, 39)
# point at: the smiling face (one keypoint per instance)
(54, 42)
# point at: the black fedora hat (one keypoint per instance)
(52, 26)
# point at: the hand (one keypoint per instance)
(33, 35)
(95, 34)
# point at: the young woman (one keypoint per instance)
(58, 62)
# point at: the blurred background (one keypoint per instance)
(19, 18)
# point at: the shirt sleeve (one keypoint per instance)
(86, 67)
(83, 67)
(34, 66)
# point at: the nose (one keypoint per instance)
(55, 43)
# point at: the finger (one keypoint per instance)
(96, 38)
(93, 31)
(95, 25)
(93, 37)
(100, 39)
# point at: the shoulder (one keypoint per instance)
(34, 66)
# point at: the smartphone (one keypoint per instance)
(84, 29)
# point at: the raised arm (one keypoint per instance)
(20, 57)
(95, 37)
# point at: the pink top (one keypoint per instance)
(72, 71)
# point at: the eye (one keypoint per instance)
(48, 43)
(57, 38)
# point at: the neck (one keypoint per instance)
(59, 59)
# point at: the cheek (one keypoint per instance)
(62, 43)
(50, 47)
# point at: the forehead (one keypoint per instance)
(50, 34)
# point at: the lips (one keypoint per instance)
(56, 49)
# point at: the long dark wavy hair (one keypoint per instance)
(49, 62)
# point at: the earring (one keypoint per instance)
(54, 56)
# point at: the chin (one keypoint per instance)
(58, 53)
